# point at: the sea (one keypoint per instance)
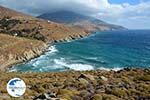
(110, 50)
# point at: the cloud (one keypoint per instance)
(131, 16)
(36, 7)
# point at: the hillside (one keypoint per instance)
(75, 19)
(128, 84)
(14, 50)
(23, 37)
(19, 24)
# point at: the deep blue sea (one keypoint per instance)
(112, 50)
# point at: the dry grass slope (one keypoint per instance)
(14, 50)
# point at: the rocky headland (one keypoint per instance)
(15, 50)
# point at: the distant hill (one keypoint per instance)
(22, 25)
(74, 19)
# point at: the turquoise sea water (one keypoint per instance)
(102, 50)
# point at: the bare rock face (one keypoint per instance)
(87, 76)
(47, 96)
(103, 78)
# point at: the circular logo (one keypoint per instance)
(16, 87)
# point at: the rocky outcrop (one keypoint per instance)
(47, 96)
(69, 37)
(14, 59)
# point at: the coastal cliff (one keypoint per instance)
(15, 50)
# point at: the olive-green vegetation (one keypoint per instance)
(86, 85)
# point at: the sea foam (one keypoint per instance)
(52, 49)
(109, 69)
(74, 66)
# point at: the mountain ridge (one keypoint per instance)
(74, 19)
(66, 14)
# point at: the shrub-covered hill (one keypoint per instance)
(127, 84)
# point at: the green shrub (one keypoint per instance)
(143, 78)
(110, 97)
(97, 97)
(117, 92)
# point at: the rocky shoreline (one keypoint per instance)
(15, 50)
(27, 50)
(126, 84)
(27, 37)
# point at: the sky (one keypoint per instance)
(133, 2)
(133, 14)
